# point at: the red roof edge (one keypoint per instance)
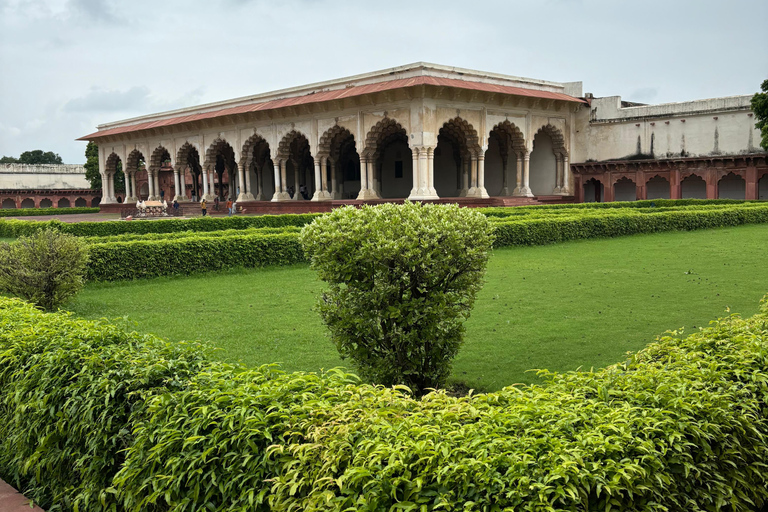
(319, 97)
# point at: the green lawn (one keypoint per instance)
(578, 304)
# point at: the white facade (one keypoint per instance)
(42, 177)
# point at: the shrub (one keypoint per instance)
(92, 418)
(402, 278)
(46, 268)
(19, 212)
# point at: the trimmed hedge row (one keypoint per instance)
(16, 228)
(540, 231)
(128, 237)
(95, 419)
(184, 253)
(28, 212)
(152, 258)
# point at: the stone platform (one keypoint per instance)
(12, 501)
(301, 206)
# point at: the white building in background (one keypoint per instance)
(45, 186)
(430, 132)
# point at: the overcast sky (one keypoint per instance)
(68, 65)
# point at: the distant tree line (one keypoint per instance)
(37, 156)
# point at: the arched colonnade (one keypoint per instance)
(385, 164)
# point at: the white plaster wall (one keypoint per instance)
(45, 177)
(542, 166)
(720, 126)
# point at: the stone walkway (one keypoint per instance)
(12, 501)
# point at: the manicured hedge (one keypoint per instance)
(142, 259)
(27, 212)
(539, 231)
(128, 237)
(88, 413)
(16, 228)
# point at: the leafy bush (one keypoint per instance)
(46, 268)
(92, 418)
(402, 278)
(71, 394)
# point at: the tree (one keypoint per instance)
(8, 160)
(92, 165)
(760, 108)
(403, 278)
(46, 268)
(37, 156)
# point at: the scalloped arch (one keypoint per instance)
(221, 147)
(112, 159)
(132, 161)
(156, 160)
(284, 147)
(254, 143)
(381, 132)
(558, 140)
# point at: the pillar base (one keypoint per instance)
(336, 195)
(322, 195)
(281, 196)
(130, 199)
(478, 192)
(423, 194)
(180, 199)
(522, 192)
(245, 197)
(367, 194)
(505, 192)
(557, 191)
(258, 197)
(463, 192)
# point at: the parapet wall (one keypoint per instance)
(42, 177)
(703, 128)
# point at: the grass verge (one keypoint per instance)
(577, 304)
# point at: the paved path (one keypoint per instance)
(12, 501)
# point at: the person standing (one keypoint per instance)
(203, 207)
(229, 207)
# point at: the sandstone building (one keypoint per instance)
(430, 132)
(45, 186)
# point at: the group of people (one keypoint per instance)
(231, 206)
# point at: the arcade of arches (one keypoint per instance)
(728, 177)
(384, 165)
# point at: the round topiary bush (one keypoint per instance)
(402, 280)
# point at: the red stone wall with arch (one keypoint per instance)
(49, 198)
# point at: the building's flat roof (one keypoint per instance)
(395, 78)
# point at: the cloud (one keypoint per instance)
(95, 10)
(107, 100)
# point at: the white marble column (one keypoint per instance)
(431, 172)
(111, 187)
(335, 182)
(206, 195)
(245, 194)
(519, 177)
(472, 192)
(211, 188)
(281, 191)
(365, 191)
(558, 175)
(248, 185)
(465, 170)
(415, 172)
(481, 192)
(134, 192)
(566, 183)
(157, 184)
(504, 177)
(526, 191)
